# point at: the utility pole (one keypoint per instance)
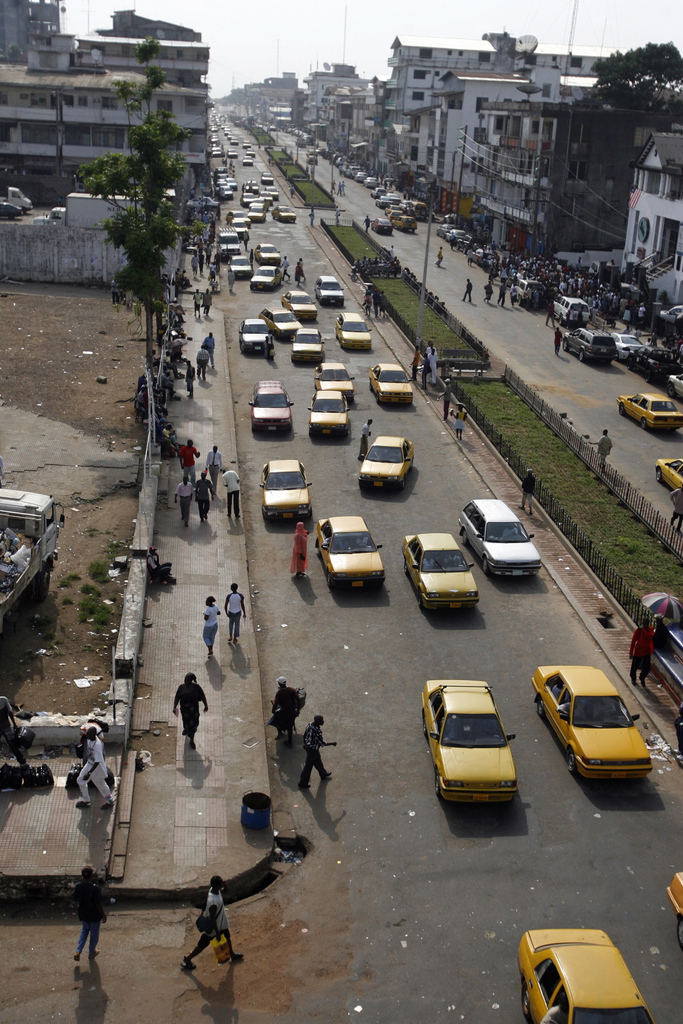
(537, 188)
(463, 138)
(455, 150)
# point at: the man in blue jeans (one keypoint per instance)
(234, 609)
(91, 913)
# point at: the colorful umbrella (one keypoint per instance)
(664, 604)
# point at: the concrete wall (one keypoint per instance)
(57, 254)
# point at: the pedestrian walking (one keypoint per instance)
(514, 291)
(251, 256)
(425, 369)
(433, 363)
(235, 610)
(447, 398)
(364, 439)
(470, 255)
(188, 697)
(676, 497)
(313, 741)
(187, 455)
(284, 266)
(604, 446)
(114, 293)
(367, 222)
(501, 294)
(550, 314)
(95, 770)
(337, 215)
(375, 301)
(528, 484)
(468, 291)
(184, 492)
(211, 613)
(203, 492)
(557, 340)
(231, 280)
(203, 358)
(299, 272)
(417, 358)
(214, 910)
(640, 651)
(214, 463)
(194, 263)
(299, 561)
(197, 300)
(9, 729)
(439, 257)
(209, 344)
(382, 304)
(231, 482)
(311, 217)
(206, 302)
(88, 895)
(459, 418)
(201, 262)
(285, 705)
(488, 291)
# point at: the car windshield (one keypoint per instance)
(300, 298)
(331, 286)
(271, 400)
(268, 248)
(663, 407)
(352, 543)
(259, 328)
(340, 374)
(600, 713)
(285, 481)
(267, 272)
(284, 209)
(308, 338)
(353, 327)
(385, 453)
(443, 561)
(472, 731)
(283, 317)
(329, 405)
(393, 377)
(625, 1015)
(506, 533)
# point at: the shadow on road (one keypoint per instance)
(476, 821)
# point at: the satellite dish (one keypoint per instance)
(327, 66)
(96, 55)
(529, 88)
(526, 44)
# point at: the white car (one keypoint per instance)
(671, 315)
(370, 182)
(360, 176)
(626, 343)
(497, 535)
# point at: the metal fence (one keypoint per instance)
(619, 589)
(629, 495)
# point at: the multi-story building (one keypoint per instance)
(274, 100)
(654, 236)
(135, 26)
(317, 83)
(19, 19)
(185, 63)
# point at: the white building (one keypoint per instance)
(317, 82)
(654, 247)
(185, 63)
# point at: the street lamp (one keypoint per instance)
(431, 191)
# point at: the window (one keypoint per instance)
(77, 135)
(426, 53)
(530, 58)
(654, 180)
(38, 134)
(545, 90)
(484, 58)
(418, 94)
(108, 138)
(4, 133)
(4, 98)
(455, 104)
(480, 100)
(535, 125)
(419, 74)
(38, 99)
(83, 101)
(480, 135)
(576, 62)
(413, 153)
(47, 60)
(500, 124)
(68, 101)
(165, 105)
(180, 54)
(109, 103)
(193, 104)
(577, 170)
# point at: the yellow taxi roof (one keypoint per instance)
(584, 680)
(321, 396)
(355, 317)
(298, 297)
(347, 524)
(592, 967)
(652, 396)
(440, 541)
(283, 466)
(387, 366)
(388, 440)
(469, 696)
(332, 366)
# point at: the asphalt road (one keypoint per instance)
(586, 392)
(435, 897)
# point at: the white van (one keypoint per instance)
(572, 312)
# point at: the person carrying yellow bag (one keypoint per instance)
(214, 929)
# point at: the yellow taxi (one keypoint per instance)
(670, 471)
(257, 211)
(580, 971)
(352, 331)
(402, 222)
(267, 254)
(652, 411)
(349, 555)
(438, 570)
(387, 463)
(267, 179)
(239, 219)
(284, 490)
(334, 377)
(591, 722)
(307, 346)
(675, 893)
(469, 746)
(300, 304)
(389, 383)
(329, 414)
(272, 193)
(248, 198)
(284, 214)
(281, 322)
(266, 279)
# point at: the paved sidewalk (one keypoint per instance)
(185, 823)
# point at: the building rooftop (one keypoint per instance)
(669, 149)
(100, 40)
(563, 50)
(18, 74)
(434, 43)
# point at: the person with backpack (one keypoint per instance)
(88, 895)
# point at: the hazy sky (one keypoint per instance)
(245, 39)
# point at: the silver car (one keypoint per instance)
(626, 343)
(253, 336)
(590, 345)
(497, 535)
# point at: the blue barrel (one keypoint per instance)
(256, 810)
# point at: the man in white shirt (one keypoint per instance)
(94, 769)
(214, 462)
(215, 910)
(232, 483)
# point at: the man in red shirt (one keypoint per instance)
(642, 646)
(187, 455)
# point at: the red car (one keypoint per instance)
(383, 226)
(270, 406)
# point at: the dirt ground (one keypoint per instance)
(44, 369)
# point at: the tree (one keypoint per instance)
(641, 79)
(144, 226)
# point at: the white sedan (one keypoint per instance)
(626, 343)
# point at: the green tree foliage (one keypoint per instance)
(641, 79)
(146, 227)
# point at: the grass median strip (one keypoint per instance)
(631, 550)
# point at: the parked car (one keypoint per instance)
(655, 364)
(626, 343)
(370, 182)
(651, 410)
(241, 267)
(571, 312)
(389, 382)
(281, 322)
(307, 346)
(675, 893)
(497, 535)
(334, 377)
(267, 254)
(300, 304)
(674, 387)
(671, 315)
(590, 345)
(378, 191)
(670, 471)
(270, 406)
(352, 331)
(382, 226)
(402, 222)
(266, 279)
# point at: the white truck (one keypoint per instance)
(17, 198)
(82, 211)
(57, 215)
(33, 518)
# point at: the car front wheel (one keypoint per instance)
(570, 758)
(622, 410)
(565, 345)
(679, 930)
(671, 391)
(658, 475)
(540, 707)
(486, 568)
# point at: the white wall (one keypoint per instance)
(57, 254)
